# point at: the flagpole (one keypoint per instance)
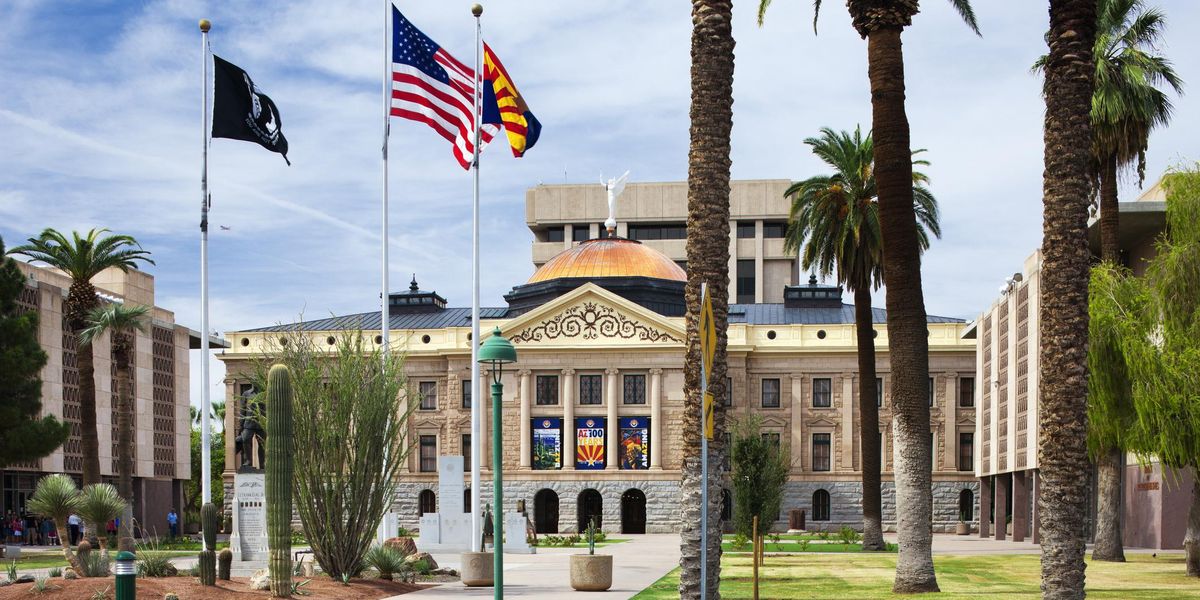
(385, 527)
(703, 465)
(476, 397)
(205, 400)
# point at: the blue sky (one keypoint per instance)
(100, 122)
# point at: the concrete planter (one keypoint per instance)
(962, 528)
(591, 572)
(477, 569)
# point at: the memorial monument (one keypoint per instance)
(449, 529)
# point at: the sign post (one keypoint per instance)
(708, 349)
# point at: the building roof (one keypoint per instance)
(751, 314)
(609, 257)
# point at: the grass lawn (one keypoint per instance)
(960, 577)
(607, 542)
(812, 537)
(783, 546)
(45, 560)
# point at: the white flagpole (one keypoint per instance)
(385, 527)
(703, 466)
(205, 400)
(476, 396)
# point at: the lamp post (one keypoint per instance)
(125, 574)
(495, 352)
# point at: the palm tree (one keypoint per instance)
(881, 22)
(217, 414)
(835, 221)
(99, 503)
(708, 262)
(1126, 106)
(57, 498)
(82, 258)
(122, 323)
(1062, 418)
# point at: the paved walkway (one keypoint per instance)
(636, 564)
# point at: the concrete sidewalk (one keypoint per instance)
(636, 564)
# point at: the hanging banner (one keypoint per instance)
(589, 443)
(635, 443)
(547, 444)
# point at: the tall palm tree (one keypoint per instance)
(835, 222)
(121, 322)
(57, 498)
(1062, 419)
(881, 22)
(1126, 105)
(82, 258)
(708, 262)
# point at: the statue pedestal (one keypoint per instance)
(248, 540)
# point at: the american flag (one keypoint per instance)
(432, 87)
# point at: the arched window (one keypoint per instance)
(426, 502)
(466, 500)
(726, 505)
(966, 506)
(820, 505)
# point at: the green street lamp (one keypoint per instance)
(495, 352)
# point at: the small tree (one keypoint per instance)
(760, 467)
(56, 498)
(99, 503)
(350, 436)
(24, 434)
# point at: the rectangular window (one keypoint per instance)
(820, 452)
(428, 391)
(466, 452)
(466, 394)
(728, 391)
(770, 393)
(589, 390)
(879, 392)
(966, 392)
(429, 454)
(547, 390)
(745, 282)
(745, 230)
(930, 391)
(771, 438)
(634, 389)
(579, 233)
(603, 232)
(554, 234)
(727, 438)
(774, 229)
(682, 265)
(822, 392)
(658, 232)
(966, 451)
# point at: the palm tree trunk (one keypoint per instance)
(1108, 507)
(81, 298)
(908, 329)
(1110, 215)
(708, 262)
(125, 448)
(1062, 440)
(1191, 540)
(868, 414)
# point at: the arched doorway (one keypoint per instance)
(633, 511)
(966, 506)
(545, 511)
(726, 505)
(820, 505)
(426, 502)
(590, 504)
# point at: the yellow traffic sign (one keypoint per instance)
(708, 332)
(709, 417)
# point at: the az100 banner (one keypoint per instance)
(547, 444)
(635, 443)
(589, 443)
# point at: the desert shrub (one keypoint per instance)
(848, 535)
(740, 541)
(775, 540)
(95, 564)
(387, 560)
(803, 545)
(12, 570)
(56, 571)
(154, 564)
(420, 566)
(760, 469)
(103, 595)
(41, 585)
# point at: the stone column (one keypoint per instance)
(1020, 506)
(526, 404)
(798, 446)
(847, 441)
(656, 438)
(613, 431)
(1001, 505)
(950, 418)
(568, 400)
(985, 506)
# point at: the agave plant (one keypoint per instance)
(56, 497)
(388, 560)
(99, 503)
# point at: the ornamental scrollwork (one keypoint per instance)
(591, 321)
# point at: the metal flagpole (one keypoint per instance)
(703, 465)
(385, 530)
(205, 400)
(476, 396)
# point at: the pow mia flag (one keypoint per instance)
(241, 111)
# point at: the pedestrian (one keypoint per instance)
(173, 523)
(53, 535)
(74, 528)
(47, 528)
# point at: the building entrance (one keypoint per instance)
(590, 504)
(633, 511)
(545, 511)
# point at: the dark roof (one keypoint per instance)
(754, 314)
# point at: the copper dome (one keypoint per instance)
(609, 257)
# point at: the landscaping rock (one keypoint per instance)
(260, 580)
(405, 545)
(26, 578)
(5, 582)
(170, 596)
(425, 556)
(69, 573)
(307, 568)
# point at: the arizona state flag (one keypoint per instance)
(241, 111)
(503, 105)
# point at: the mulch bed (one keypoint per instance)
(189, 588)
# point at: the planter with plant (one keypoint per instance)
(478, 568)
(591, 572)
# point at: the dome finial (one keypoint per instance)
(413, 287)
(812, 279)
(613, 187)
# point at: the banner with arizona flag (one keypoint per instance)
(589, 443)
(503, 105)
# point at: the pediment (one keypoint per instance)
(822, 422)
(774, 422)
(593, 315)
(427, 422)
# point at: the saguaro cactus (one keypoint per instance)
(279, 480)
(208, 556)
(224, 562)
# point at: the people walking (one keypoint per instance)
(173, 523)
(74, 528)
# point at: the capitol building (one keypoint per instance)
(593, 409)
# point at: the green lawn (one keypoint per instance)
(769, 546)
(812, 537)
(607, 542)
(960, 577)
(45, 560)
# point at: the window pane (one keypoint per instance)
(931, 391)
(966, 451)
(466, 394)
(589, 389)
(635, 389)
(728, 391)
(966, 392)
(428, 390)
(547, 390)
(745, 282)
(770, 393)
(774, 229)
(554, 234)
(745, 230)
(429, 454)
(879, 392)
(822, 392)
(820, 506)
(771, 438)
(579, 233)
(820, 455)
(466, 451)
